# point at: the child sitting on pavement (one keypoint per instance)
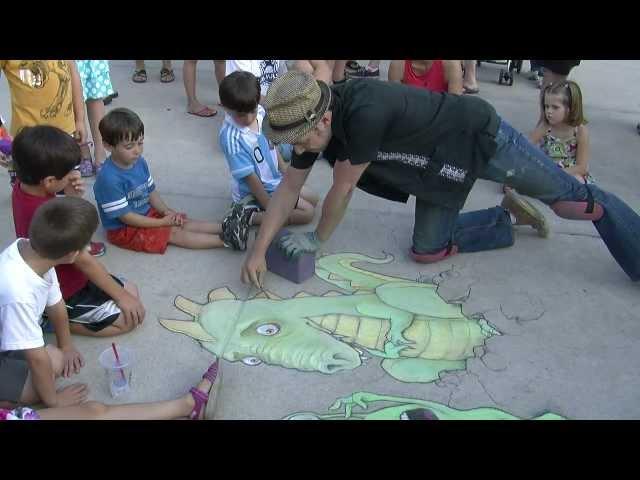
(98, 304)
(563, 134)
(198, 404)
(131, 209)
(256, 167)
(60, 230)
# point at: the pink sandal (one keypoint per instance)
(199, 397)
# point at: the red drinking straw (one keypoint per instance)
(115, 351)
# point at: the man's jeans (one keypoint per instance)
(526, 168)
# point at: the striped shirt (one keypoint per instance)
(119, 191)
(248, 152)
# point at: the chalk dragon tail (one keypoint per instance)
(338, 270)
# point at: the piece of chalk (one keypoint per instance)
(296, 270)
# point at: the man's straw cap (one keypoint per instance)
(294, 103)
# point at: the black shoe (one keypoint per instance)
(364, 72)
(108, 99)
(235, 226)
(352, 66)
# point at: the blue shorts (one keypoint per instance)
(94, 75)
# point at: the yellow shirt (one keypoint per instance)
(40, 93)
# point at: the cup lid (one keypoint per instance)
(108, 359)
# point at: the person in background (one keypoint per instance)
(434, 75)
(166, 72)
(469, 82)
(194, 107)
(96, 85)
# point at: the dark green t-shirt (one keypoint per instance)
(422, 143)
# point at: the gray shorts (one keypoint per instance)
(14, 371)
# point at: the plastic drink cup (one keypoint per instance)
(118, 372)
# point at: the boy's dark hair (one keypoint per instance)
(61, 226)
(240, 92)
(121, 125)
(43, 151)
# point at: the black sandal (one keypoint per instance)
(167, 75)
(139, 76)
(109, 98)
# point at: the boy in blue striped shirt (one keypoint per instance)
(131, 209)
(256, 166)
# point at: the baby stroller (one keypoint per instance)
(506, 75)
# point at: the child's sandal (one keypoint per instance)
(199, 397)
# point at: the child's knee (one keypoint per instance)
(57, 359)
(310, 197)
(120, 326)
(177, 235)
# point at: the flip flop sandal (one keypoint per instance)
(167, 75)
(470, 91)
(204, 112)
(139, 76)
(199, 397)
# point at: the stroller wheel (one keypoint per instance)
(501, 77)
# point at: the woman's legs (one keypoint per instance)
(220, 70)
(95, 112)
(469, 82)
(189, 77)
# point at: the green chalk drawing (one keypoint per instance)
(405, 409)
(405, 323)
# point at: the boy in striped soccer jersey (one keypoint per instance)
(255, 165)
(130, 207)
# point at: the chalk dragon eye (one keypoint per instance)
(268, 329)
(251, 361)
